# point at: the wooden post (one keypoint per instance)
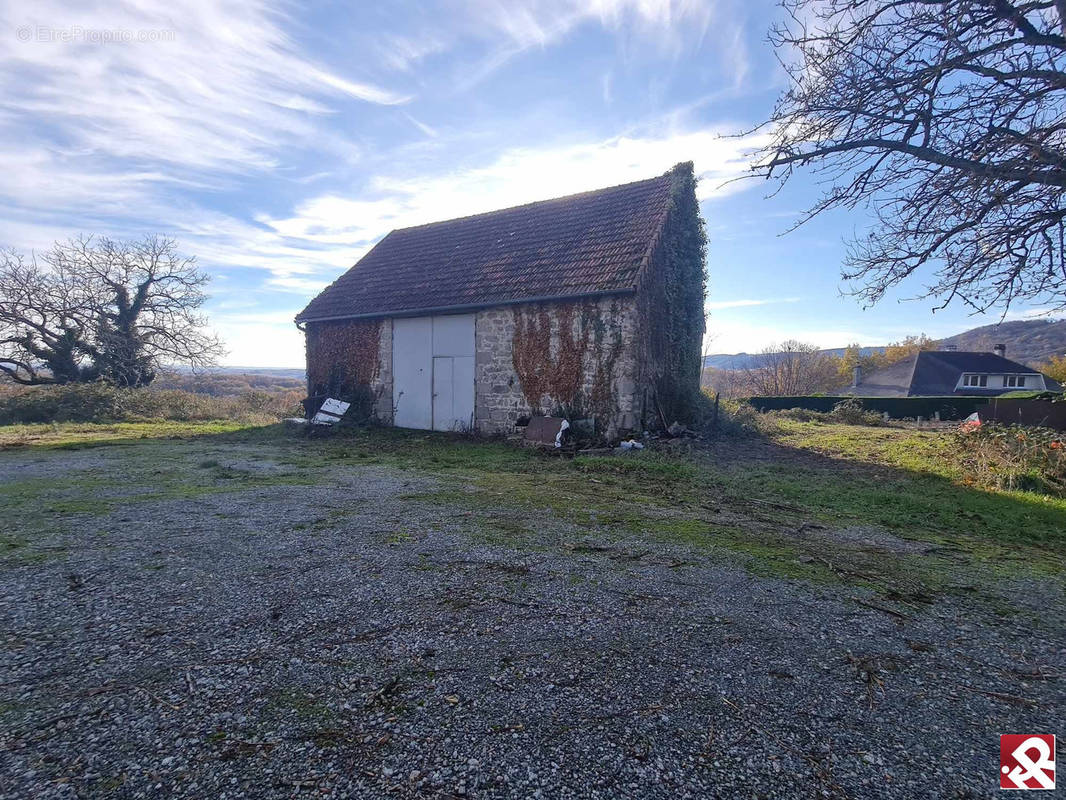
(716, 397)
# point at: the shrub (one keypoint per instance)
(735, 418)
(100, 402)
(1013, 457)
(846, 412)
(801, 415)
(954, 407)
(852, 412)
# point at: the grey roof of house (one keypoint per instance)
(936, 373)
(891, 381)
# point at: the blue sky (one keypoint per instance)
(278, 141)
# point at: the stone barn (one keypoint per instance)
(589, 306)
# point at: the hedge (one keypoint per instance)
(896, 407)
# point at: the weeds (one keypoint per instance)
(1013, 457)
(846, 412)
(100, 402)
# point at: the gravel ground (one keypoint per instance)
(352, 640)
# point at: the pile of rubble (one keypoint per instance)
(559, 434)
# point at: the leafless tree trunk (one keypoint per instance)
(99, 309)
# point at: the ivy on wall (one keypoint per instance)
(565, 354)
(606, 348)
(531, 352)
(344, 361)
(671, 303)
(547, 372)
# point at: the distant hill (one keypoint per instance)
(224, 382)
(1030, 341)
(745, 360)
(277, 372)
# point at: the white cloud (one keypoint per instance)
(260, 340)
(716, 305)
(498, 31)
(219, 90)
(516, 176)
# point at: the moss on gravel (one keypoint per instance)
(741, 507)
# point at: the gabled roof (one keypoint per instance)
(936, 373)
(891, 381)
(584, 244)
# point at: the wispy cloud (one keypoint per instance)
(1041, 312)
(218, 89)
(496, 32)
(718, 305)
(516, 176)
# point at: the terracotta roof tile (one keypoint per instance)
(572, 246)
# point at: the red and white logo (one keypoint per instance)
(1027, 761)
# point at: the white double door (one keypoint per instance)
(433, 372)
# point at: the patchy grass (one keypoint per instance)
(927, 451)
(73, 435)
(907, 479)
(39, 510)
(772, 505)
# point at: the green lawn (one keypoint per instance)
(75, 434)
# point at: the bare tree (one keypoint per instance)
(729, 383)
(791, 368)
(948, 119)
(99, 309)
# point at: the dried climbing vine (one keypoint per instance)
(531, 353)
(555, 351)
(344, 361)
(567, 373)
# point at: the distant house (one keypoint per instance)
(940, 373)
(589, 305)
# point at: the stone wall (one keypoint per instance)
(382, 386)
(608, 387)
(609, 384)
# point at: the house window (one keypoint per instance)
(975, 380)
(1014, 380)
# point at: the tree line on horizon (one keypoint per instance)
(793, 368)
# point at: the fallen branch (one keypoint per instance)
(883, 609)
(1007, 698)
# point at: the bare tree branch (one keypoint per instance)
(947, 119)
(789, 369)
(99, 309)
